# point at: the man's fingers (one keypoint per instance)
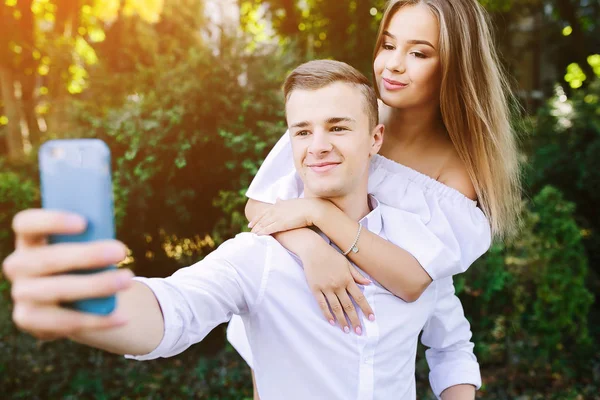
(350, 310)
(50, 322)
(324, 306)
(31, 225)
(338, 311)
(63, 257)
(67, 288)
(361, 301)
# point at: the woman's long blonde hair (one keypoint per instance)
(475, 100)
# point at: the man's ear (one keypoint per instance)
(376, 139)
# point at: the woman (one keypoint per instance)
(448, 165)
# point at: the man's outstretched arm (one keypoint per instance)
(143, 330)
(154, 317)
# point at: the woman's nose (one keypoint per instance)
(395, 63)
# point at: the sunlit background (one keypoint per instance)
(186, 94)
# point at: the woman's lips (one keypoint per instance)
(323, 167)
(393, 85)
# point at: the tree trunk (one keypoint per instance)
(365, 38)
(65, 27)
(27, 69)
(28, 104)
(14, 139)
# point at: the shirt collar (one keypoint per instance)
(372, 221)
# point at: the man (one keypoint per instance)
(296, 353)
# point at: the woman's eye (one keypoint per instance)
(418, 55)
(301, 133)
(387, 46)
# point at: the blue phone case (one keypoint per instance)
(75, 176)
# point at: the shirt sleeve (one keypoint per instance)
(444, 230)
(238, 338)
(444, 244)
(276, 177)
(447, 333)
(196, 299)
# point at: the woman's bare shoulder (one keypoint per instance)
(454, 174)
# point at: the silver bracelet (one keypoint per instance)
(354, 248)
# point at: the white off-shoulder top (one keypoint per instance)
(443, 229)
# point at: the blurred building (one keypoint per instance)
(223, 17)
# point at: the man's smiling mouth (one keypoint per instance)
(323, 166)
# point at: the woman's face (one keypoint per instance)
(407, 67)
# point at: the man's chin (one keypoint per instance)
(324, 192)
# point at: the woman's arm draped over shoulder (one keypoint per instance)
(433, 230)
(332, 286)
(396, 269)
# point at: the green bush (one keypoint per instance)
(18, 191)
(528, 300)
(563, 149)
(186, 141)
(31, 369)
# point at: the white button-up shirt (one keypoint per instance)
(296, 354)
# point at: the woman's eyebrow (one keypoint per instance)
(386, 33)
(412, 41)
(416, 41)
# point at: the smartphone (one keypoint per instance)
(75, 176)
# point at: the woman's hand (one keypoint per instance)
(333, 281)
(286, 215)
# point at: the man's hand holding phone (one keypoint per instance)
(64, 280)
(42, 279)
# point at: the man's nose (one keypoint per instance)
(320, 143)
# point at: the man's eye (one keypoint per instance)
(338, 129)
(301, 133)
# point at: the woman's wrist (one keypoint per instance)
(300, 241)
(317, 210)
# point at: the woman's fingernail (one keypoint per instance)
(358, 330)
(346, 329)
(371, 317)
(331, 322)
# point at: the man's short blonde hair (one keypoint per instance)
(318, 74)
